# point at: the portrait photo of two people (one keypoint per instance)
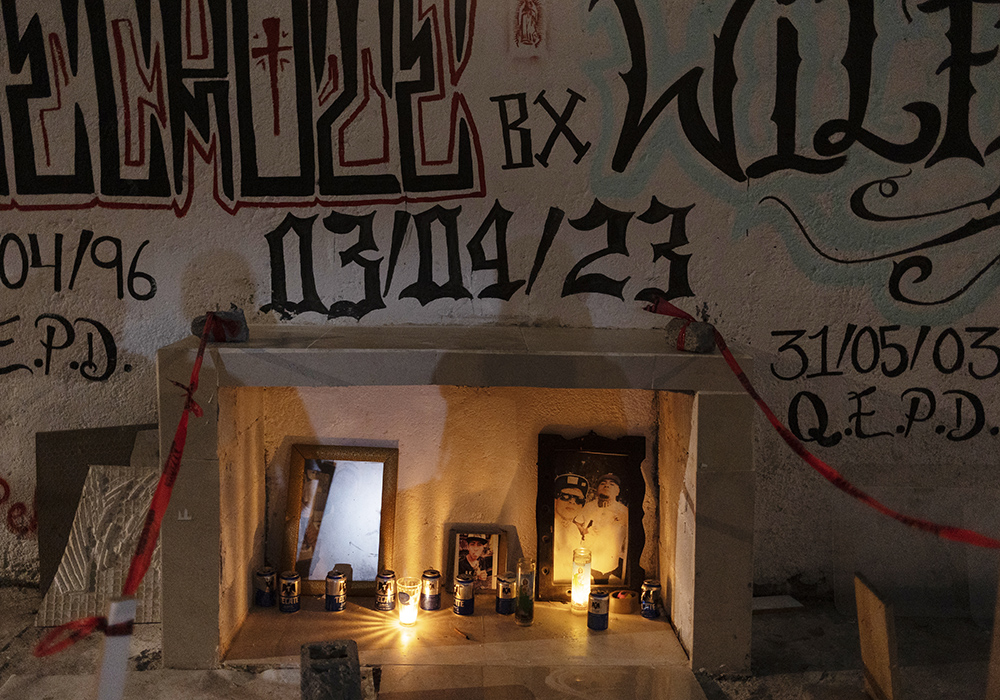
(590, 494)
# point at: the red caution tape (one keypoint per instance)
(70, 633)
(947, 532)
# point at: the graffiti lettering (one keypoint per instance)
(147, 83)
(867, 350)
(810, 421)
(18, 522)
(105, 252)
(89, 343)
(426, 289)
(834, 137)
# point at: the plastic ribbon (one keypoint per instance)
(70, 633)
(946, 532)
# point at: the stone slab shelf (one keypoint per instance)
(556, 637)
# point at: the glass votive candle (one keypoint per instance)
(408, 593)
(580, 593)
(524, 611)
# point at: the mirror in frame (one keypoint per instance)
(340, 515)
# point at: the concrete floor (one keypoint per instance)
(806, 653)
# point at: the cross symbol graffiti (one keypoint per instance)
(270, 59)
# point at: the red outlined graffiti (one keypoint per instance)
(134, 114)
(270, 58)
(370, 85)
(458, 99)
(192, 17)
(60, 79)
(19, 523)
(456, 68)
(332, 85)
(136, 88)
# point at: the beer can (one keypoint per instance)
(385, 591)
(649, 601)
(430, 590)
(506, 601)
(465, 595)
(336, 591)
(288, 596)
(597, 612)
(265, 583)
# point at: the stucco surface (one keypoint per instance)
(736, 162)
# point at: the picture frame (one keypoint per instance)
(340, 514)
(590, 494)
(484, 561)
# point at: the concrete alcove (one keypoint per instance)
(464, 406)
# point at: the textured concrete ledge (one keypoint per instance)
(572, 358)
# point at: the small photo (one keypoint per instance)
(480, 553)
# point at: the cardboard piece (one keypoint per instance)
(877, 630)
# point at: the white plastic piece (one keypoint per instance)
(114, 661)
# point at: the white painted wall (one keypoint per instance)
(752, 270)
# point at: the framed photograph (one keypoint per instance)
(478, 550)
(341, 507)
(590, 494)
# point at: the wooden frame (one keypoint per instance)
(496, 550)
(574, 469)
(301, 456)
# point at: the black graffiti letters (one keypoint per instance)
(439, 231)
(616, 224)
(103, 252)
(508, 127)
(560, 128)
(345, 224)
(955, 414)
(833, 138)
(236, 84)
(818, 432)
(84, 345)
(497, 221)
(889, 350)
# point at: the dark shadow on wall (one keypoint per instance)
(62, 459)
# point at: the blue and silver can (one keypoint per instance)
(465, 595)
(288, 595)
(506, 600)
(430, 590)
(597, 612)
(336, 591)
(265, 584)
(649, 601)
(385, 591)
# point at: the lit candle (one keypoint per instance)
(581, 579)
(409, 599)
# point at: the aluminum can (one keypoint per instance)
(265, 584)
(649, 601)
(385, 591)
(288, 595)
(336, 591)
(597, 611)
(430, 590)
(465, 595)
(506, 600)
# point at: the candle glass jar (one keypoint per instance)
(580, 593)
(524, 612)
(409, 598)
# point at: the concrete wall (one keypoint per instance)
(830, 219)
(466, 455)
